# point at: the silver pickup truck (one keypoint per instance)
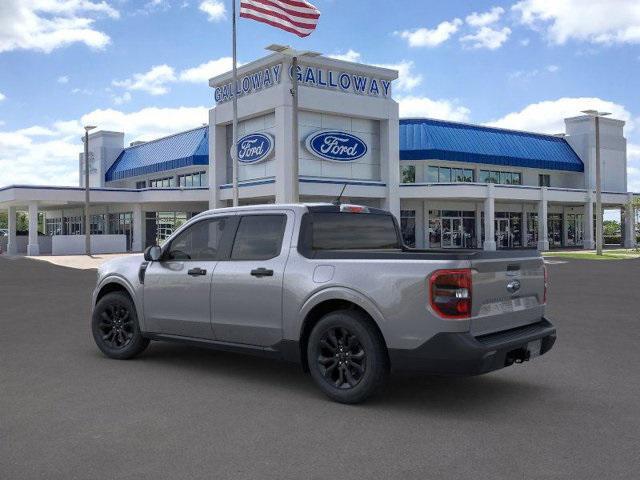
(330, 286)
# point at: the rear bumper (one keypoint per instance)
(464, 354)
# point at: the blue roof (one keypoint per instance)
(176, 151)
(426, 139)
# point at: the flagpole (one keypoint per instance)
(295, 193)
(234, 149)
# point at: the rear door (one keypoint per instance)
(177, 289)
(247, 287)
(507, 292)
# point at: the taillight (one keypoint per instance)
(450, 293)
(546, 284)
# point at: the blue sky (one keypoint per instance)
(142, 66)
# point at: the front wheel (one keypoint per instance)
(115, 327)
(347, 357)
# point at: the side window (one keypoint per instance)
(198, 242)
(259, 237)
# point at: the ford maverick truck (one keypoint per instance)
(330, 286)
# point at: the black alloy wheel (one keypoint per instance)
(115, 328)
(341, 358)
(347, 356)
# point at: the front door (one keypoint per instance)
(177, 289)
(452, 232)
(247, 287)
(503, 233)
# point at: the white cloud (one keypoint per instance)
(529, 74)
(407, 78)
(63, 79)
(414, 106)
(203, 72)
(45, 25)
(424, 37)
(487, 37)
(548, 116)
(122, 99)
(525, 42)
(154, 81)
(486, 18)
(2, 96)
(349, 56)
(48, 155)
(214, 9)
(594, 21)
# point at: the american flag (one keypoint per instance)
(295, 16)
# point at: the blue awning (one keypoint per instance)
(426, 139)
(176, 151)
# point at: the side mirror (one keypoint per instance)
(152, 253)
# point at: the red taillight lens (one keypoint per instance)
(546, 284)
(450, 293)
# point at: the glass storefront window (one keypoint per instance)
(408, 174)
(408, 227)
(503, 178)
(432, 174)
(555, 229)
(444, 175)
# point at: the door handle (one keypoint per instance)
(194, 272)
(262, 272)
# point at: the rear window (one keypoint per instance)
(353, 231)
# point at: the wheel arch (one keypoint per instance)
(332, 300)
(118, 284)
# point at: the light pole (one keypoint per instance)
(596, 115)
(295, 55)
(87, 218)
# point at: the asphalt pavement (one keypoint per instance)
(177, 412)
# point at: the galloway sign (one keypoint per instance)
(336, 146)
(308, 76)
(342, 81)
(255, 148)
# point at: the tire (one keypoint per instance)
(115, 328)
(356, 372)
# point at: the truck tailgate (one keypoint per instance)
(507, 292)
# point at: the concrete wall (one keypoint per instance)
(74, 244)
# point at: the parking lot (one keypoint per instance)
(180, 412)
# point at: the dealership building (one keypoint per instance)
(451, 185)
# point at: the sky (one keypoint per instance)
(142, 66)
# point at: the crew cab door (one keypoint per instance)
(247, 287)
(177, 289)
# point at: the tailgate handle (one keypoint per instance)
(513, 268)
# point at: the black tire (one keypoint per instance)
(115, 328)
(347, 357)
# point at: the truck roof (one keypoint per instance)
(307, 206)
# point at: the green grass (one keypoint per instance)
(589, 255)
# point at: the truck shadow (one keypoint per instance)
(460, 396)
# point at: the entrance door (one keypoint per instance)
(247, 287)
(452, 233)
(503, 233)
(177, 289)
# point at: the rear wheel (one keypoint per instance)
(346, 356)
(115, 327)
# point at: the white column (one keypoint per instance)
(390, 159)
(138, 228)
(478, 225)
(425, 230)
(12, 247)
(588, 240)
(218, 159)
(543, 235)
(489, 220)
(284, 156)
(629, 224)
(33, 248)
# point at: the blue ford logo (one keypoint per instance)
(336, 146)
(255, 147)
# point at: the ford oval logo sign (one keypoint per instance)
(336, 146)
(255, 148)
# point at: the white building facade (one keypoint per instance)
(450, 185)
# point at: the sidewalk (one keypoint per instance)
(80, 262)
